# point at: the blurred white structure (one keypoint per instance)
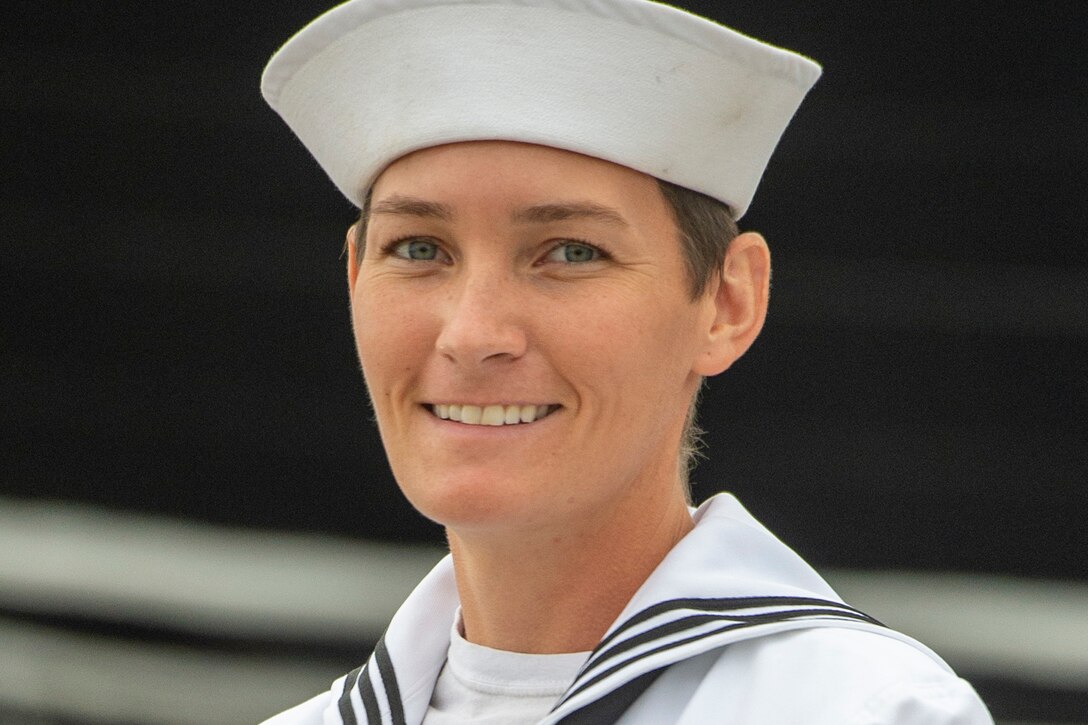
(79, 564)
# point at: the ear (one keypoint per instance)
(738, 304)
(352, 250)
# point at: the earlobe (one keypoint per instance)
(738, 304)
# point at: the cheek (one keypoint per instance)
(390, 339)
(644, 332)
(633, 343)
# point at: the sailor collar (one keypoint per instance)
(728, 580)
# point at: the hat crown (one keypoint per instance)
(634, 82)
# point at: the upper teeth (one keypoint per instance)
(491, 414)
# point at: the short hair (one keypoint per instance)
(705, 228)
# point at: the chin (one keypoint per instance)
(475, 501)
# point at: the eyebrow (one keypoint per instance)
(545, 213)
(537, 214)
(411, 206)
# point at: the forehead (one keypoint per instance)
(498, 171)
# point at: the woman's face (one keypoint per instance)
(539, 296)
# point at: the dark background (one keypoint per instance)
(174, 333)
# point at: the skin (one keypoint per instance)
(507, 273)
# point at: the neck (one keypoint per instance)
(557, 589)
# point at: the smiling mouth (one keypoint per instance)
(495, 415)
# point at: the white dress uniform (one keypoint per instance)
(732, 627)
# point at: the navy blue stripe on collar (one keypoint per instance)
(362, 678)
(610, 707)
(688, 622)
(581, 683)
(389, 682)
(347, 712)
(724, 604)
(671, 632)
(369, 697)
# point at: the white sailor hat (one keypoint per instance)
(635, 82)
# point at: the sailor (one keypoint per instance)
(545, 268)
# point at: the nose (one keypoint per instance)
(482, 320)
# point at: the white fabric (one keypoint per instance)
(634, 82)
(863, 680)
(818, 669)
(484, 686)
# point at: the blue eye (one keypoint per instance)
(574, 253)
(417, 249)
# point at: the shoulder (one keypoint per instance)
(822, 675)
(846, 676)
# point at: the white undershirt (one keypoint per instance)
(485, 686)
